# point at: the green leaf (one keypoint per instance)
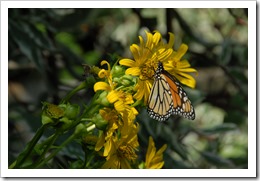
(76, 164)
(236, 117)
(225, 56)
(70, 41)
(173, 142)
(46, 119)
(239, 74)
(21, 159)
(217, 160)
(220, 128)
(37, 36)
(171, 162)
(26, 45)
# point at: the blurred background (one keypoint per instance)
(47, 48)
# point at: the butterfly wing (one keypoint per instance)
(160, 103)
(181, 103)
(167, 97)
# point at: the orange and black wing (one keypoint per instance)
(181, 103)
(167, 97)
(160, 103)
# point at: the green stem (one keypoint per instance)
(50, 143)
(24, 155)
(71, 93)
(67, 141)
(89, 82)
(45, 142)
(89, 111)
(85, 160)
(87, 163)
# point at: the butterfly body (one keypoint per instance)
(167, 97)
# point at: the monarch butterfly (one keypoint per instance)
(167, 97)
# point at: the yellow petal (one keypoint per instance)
(134, 111)
(171, 41)
(139, 94)
(132, 114)
(112, 96)
(164, 55)
(150, 151)
(181, 51)
(157, 165)
(156, 38)
(149, 40)
(127, 62)
(100, 143)
(108, 146)
(135, 71)
(186, 79)
(101, 86)
(182, 64)
(114, 127)
(128, 99)
(147, 89)
(135, 49)
(119, 106)
(189, 70)
(103, 73)
(150, 144)
(105, 62)
(161, 150)
(141, 41)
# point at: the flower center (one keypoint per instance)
(121, 95)
(147, 72)
(127, 151)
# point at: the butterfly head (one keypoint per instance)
(159, 69)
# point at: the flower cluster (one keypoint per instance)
(146, 58)
(121, 91)
(107, 127)
(119, 139)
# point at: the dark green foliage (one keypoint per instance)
(47, 48)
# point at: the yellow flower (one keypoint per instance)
(179, 68)
(104, 74)
(117, 123)
(146, 58)
(106, 137)
(121, 101)
(119, 98)
(120, 119)
(154, 159)
(123, 148)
